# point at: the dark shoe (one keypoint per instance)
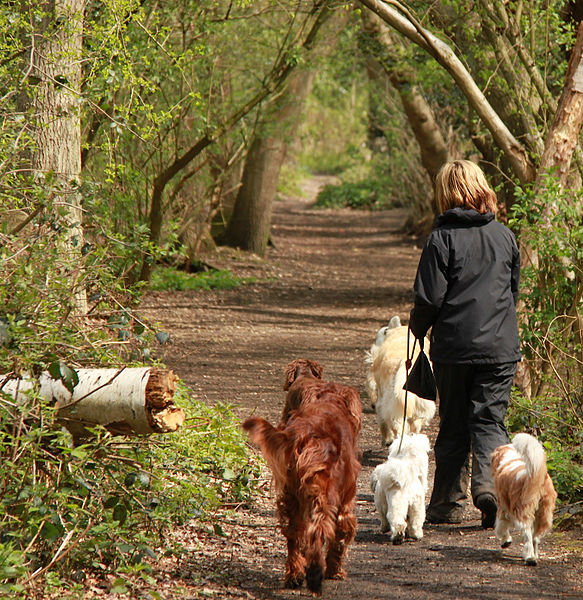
(487, 504)
(453, 517)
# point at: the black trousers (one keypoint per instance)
(473, 400)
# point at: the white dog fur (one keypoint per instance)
(385, 379)
(399, 486)
(525, 493)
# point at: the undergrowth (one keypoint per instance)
(70, 512)
(548, 220)
(73, 513)
(369, 195)
(169, 278)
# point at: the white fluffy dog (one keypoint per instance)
(385, 379)
(399, 486)
(525, 492)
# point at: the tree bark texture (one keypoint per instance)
(250, 223)
(124, 401)
(56, 65)
(563, 135)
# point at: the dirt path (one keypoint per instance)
(332, 279)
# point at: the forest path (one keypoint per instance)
(331, 280)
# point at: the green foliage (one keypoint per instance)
(546, 418)
(103, 506)
(333, 132)
(549, 220)
(354, 126)
(206, 463)
(106, 504)
(370, 195)
(169, 278)
(551, 232)
(38, 298)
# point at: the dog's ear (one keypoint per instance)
(316, 369)
(290, 374)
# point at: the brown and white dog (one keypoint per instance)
(385, 379)
(312, 454)
(525, 492)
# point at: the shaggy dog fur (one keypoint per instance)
(385, 380)
(313, 457)
(525, 492)
(399, 486)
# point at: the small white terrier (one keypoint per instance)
(399, 486)
(385, 379)
(525, 493)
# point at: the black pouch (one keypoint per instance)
(421, 380)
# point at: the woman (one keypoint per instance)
(466, 289)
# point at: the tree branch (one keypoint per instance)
(398, 17)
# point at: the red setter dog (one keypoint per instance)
(304, 385)
(313, 457)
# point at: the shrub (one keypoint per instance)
(550, 225)
(106, 504)
(369, 195)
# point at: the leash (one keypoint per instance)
(407, 369)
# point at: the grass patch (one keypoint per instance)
(170, 278)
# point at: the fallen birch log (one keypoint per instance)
(127, 400)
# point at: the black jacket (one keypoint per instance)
(466, 288)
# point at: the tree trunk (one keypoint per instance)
(434, 152)
(124, 401)
(56, 65)
(250, 222)
(563, 135)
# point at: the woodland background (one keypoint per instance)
(138, 135)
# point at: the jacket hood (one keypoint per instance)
(464, 216)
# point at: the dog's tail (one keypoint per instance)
(273, 444)
(532, 453)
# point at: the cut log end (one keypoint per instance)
(160, 389)
(163, 415)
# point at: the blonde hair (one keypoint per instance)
(462, 183)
